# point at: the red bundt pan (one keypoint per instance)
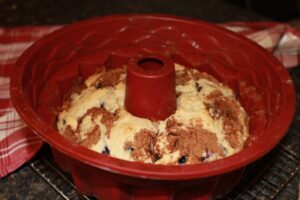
(46, 71)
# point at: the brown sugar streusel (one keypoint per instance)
(209, 122)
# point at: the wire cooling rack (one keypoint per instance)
(264, 179)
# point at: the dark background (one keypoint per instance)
(39, 12)
(279, 10)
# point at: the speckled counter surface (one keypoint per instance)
(25, 183)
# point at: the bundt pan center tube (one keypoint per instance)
(152, 44)
(150, 87)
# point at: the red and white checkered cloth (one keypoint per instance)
(18, 144)
(280, 39)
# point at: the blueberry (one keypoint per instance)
(208, 153)
(106, 151)
(99, 85)
(202, 158)
(101, 105)
(182, 160)
(198, 87)
(156, 157)
(64, 122)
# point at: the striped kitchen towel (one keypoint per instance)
(280, 39)
(18, 144)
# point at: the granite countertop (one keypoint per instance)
(26, 183)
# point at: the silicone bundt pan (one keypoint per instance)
(47, 70)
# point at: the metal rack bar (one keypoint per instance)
(264, 179)
(56, 179)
